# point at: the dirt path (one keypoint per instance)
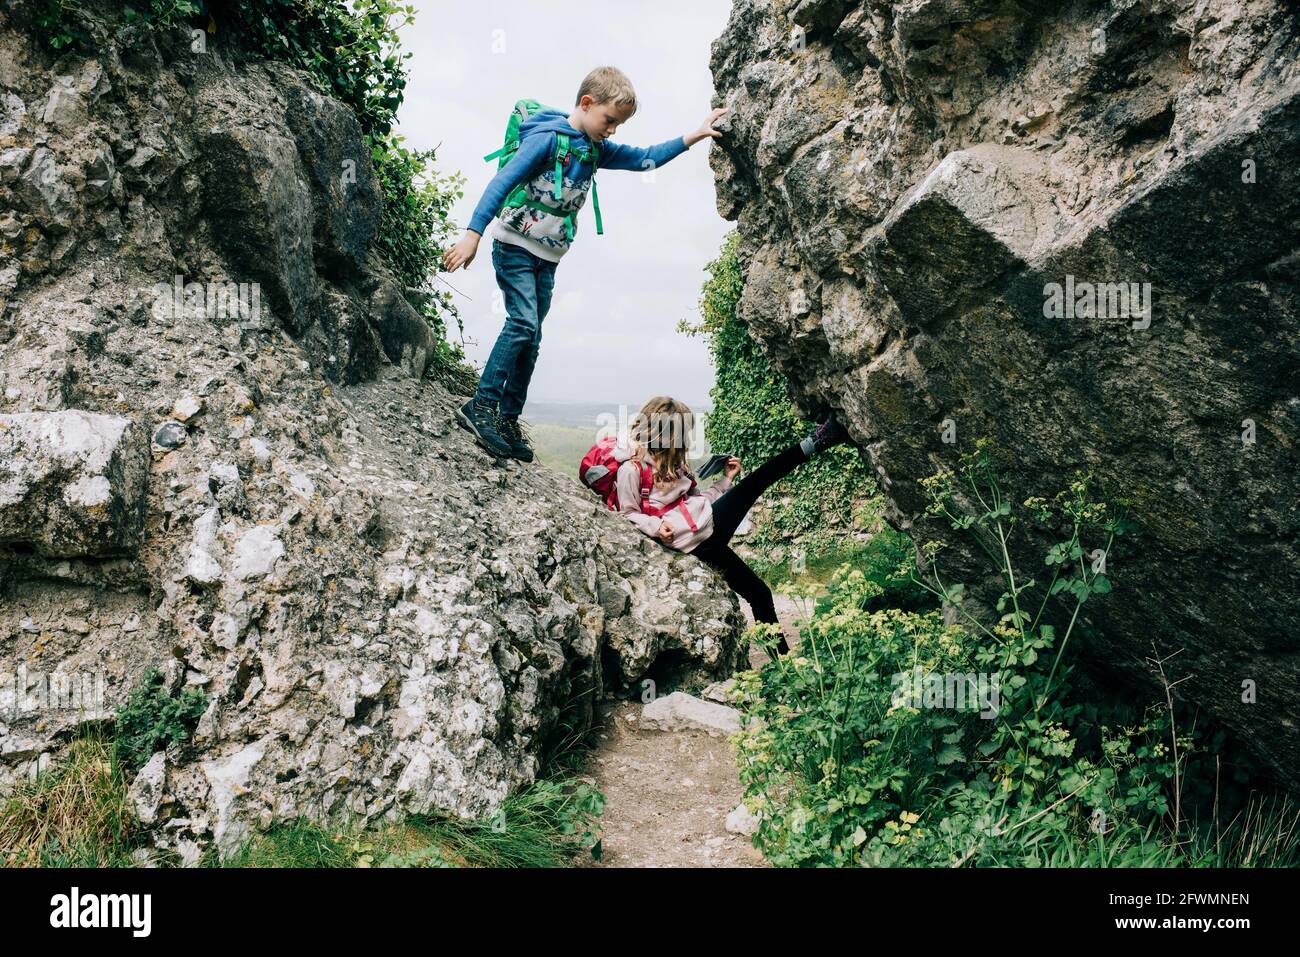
(669, 793)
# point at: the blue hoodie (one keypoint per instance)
(538, 232)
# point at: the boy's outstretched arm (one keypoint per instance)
(524, 165)
(618, 156)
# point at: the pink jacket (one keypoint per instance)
(699, 506)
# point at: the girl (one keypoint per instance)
(702, 522)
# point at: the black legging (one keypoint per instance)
(728, 511)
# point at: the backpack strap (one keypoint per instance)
(595, 204)
(561, 154)
(594, 159)
(647, 485)
(681, 504)
(562, 149)
(519, 195)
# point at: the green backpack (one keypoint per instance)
(519, 195)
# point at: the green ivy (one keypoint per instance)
(60, 25)
(414, 228)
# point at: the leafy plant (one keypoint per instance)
(153, 719)
(852, 753)
(60, 23)
(414, 228)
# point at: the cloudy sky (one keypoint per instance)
(610, 335)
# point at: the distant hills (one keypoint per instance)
(586, 415)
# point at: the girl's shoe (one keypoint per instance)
(829, 433)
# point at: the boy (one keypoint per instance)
(530, 239)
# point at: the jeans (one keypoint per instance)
(526, 282)
(728, 512)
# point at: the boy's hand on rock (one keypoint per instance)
(462, 254)
(665, 534)
(706, 130)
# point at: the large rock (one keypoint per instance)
(258, 200)
(72, 483)
(383, 620)
(406, 338)
(346, 195)
(679, 711)
(915, 182)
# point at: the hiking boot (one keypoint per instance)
(481, 419)
(829, 433)
(512, 430)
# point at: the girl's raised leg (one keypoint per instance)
(734, 504)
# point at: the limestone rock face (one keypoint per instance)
(1073, 228)
(218, 457)
(71, 483)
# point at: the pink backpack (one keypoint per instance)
(599, 470)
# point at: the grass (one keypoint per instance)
(78, 814)
(75, 815)
(1266, 833)
(560, 447)
(542, 825)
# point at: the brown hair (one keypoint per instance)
(660, 433)
(607, 84)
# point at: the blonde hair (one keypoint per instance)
(607, 84)
(660, 432)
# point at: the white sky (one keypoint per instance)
(610, 334)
